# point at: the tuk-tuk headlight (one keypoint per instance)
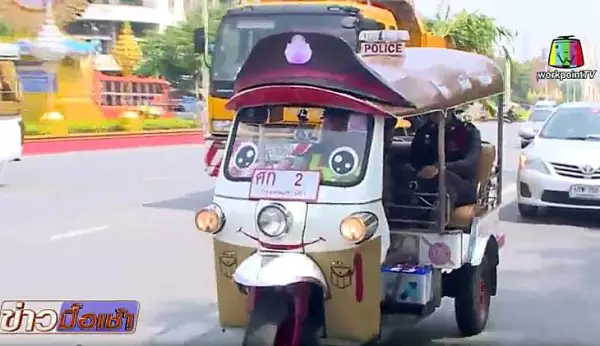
(210, 219)
(359, 227)
(273, 220)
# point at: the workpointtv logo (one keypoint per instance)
(565, 61)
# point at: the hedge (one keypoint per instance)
(34, 129)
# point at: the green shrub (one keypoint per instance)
(34, 129)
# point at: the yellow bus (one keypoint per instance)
(243, 26)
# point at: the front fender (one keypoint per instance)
(480, 247)
(260, 270)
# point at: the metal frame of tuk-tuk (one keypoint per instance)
(442, 220)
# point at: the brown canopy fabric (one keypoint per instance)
(421, 80)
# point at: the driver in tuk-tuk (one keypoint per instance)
(463, 152)
(335, 154)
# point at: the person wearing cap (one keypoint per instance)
(463, 152)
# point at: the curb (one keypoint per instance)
(56, 145)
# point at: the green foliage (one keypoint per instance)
(33, 129)
(5, 30)
(171, 54)
(469, 31)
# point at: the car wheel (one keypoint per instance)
(527, 211)
(524, 145)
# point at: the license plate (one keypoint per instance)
(584, 192)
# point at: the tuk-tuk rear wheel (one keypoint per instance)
(472, 301)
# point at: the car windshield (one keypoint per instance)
(539, 115)
(573, 123)
(337, 145)
(238, 34)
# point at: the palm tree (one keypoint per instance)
(469, 31)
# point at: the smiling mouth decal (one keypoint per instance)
(280, 247)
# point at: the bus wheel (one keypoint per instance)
(472, 301)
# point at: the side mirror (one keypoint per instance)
(527, 133)
(200, 41)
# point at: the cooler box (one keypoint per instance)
(410, 285)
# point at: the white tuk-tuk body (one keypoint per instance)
(361, 279)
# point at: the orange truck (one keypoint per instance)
(244, 25)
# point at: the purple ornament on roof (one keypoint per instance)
(297, 51)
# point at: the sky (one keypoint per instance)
(537, 22)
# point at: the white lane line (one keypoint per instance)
(189, 331)
(79, 232)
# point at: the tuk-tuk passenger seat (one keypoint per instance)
(462, 216)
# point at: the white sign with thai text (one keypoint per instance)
(285, 185)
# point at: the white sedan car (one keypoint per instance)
(534, 123)
(561, 166)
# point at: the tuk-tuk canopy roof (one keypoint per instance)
(318, 65)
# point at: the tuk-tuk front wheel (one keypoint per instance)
(473, 299)
(271, 322)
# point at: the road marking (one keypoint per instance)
(79, 232)
(188, 331)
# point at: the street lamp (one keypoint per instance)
(49, 45)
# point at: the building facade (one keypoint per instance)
(103, 19)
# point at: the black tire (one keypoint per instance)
(527, 211)
(268, 315)
(524, 145)
(473, 299)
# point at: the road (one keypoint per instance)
(118, 224)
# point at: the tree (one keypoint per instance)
(127, 52)
(171, 54)
(4, 30)
(469, 31)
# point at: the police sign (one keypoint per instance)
(382, 48)
(383, 42)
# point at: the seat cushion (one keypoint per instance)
(486, 162)
(462, 216)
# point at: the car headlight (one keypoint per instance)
(221, 125)
(210, 219)
(533, 164)
(273, 220)
(359, 227)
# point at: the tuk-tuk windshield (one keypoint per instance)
(336, 144)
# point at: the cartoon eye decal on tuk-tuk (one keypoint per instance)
(343, 161)
(245, 156)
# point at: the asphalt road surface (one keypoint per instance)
(118, 224)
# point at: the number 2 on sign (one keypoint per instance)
(298, 181)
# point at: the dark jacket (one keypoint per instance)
(463, 148)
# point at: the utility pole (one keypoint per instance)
(205, 71)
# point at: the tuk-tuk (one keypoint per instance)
(308, 251)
